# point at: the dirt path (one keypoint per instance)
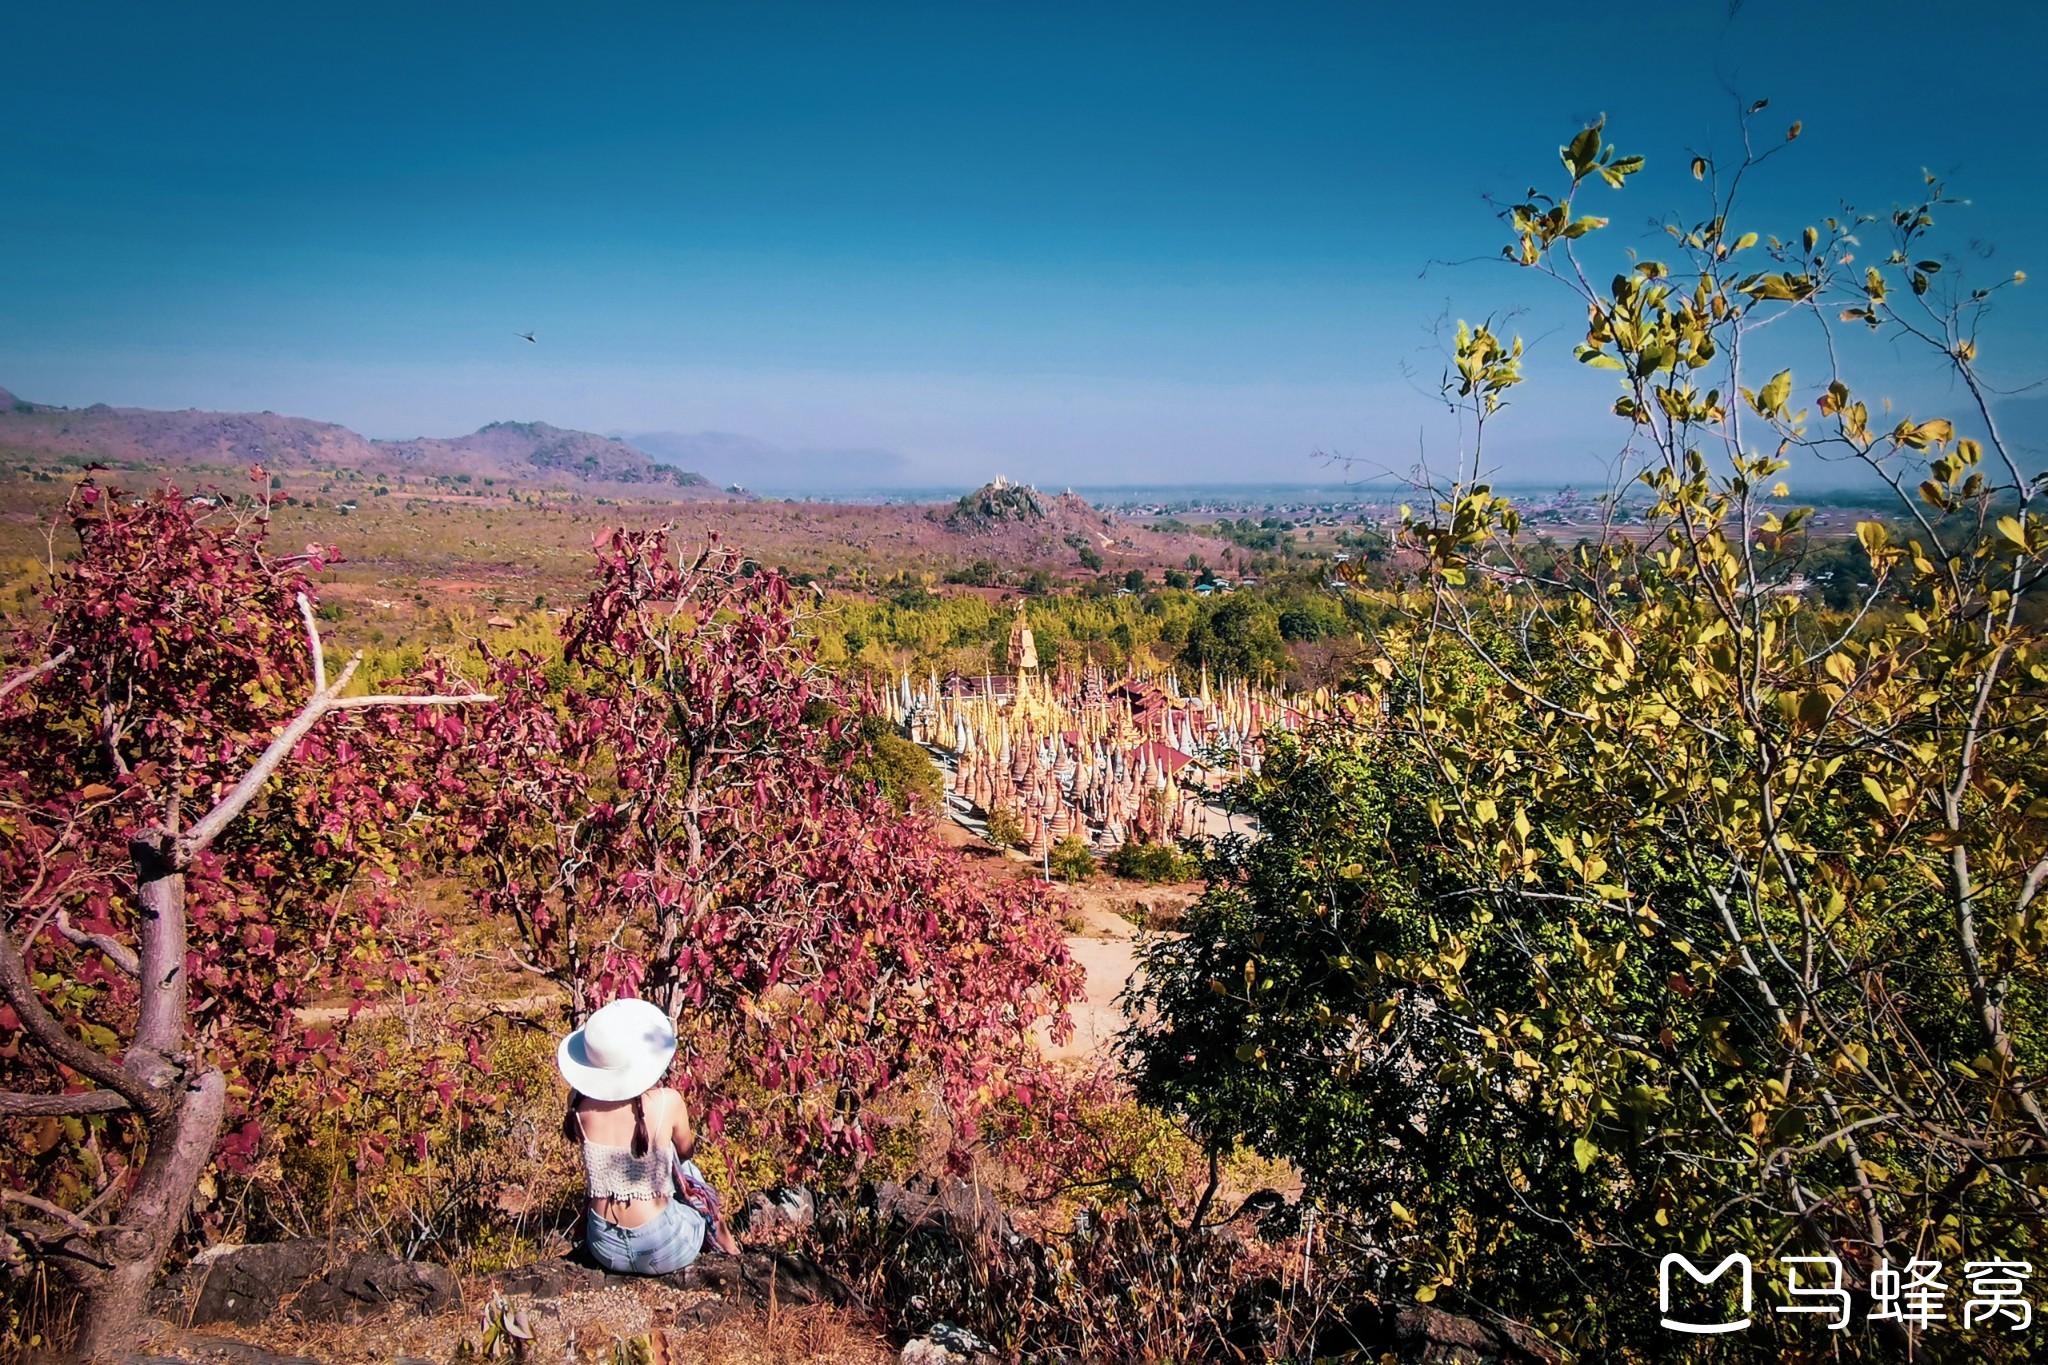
(1107, 951)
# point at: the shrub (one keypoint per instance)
(1005, 830)
(1071, 859)
(396, 1165)
(902, 772)
(1642, 909)
(1143, 861)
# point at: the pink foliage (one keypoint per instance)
(678, 822)
(184, 653)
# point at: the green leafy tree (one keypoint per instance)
(902, 772)
(1239, 636)
(1648, 909)
(1312, 618)
(1004, 828)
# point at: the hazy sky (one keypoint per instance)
(1085, 244)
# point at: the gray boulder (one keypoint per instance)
(549, 1279)
(245, 1285)
(785, 1208)
(945, 1344)
(747, 1278)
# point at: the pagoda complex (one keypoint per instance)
(1077, 753)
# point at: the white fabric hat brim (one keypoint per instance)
(611, 1083)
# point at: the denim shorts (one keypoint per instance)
(666, 1242)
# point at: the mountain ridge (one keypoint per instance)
(530, 452)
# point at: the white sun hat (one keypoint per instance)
(621, 1051)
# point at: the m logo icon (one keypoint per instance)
(1664, 1292)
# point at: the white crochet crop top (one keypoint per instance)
(615, 1173)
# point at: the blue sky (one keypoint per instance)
(1077, 244)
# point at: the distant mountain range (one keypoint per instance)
(516, 452)
(762, 468)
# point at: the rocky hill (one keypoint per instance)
(999, 502)
(515, 452)
(537, 451)
(1016, 523)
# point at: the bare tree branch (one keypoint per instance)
(405, 699)
(209, 827)
(16, 1104)
(313, 645)
(49, 1210)
(29, 675)
(119, 953)
(51, 1035)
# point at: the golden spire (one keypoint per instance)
(1023, 649)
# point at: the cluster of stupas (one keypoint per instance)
(1073, 753)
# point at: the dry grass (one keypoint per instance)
(820, 1334)
(578, 1327)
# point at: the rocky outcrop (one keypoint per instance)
(950, 1209)
(246, 1285)
(1431, 1336)
(752, 1276)
(997, 502)
(302, 1280)
(931, 1230)
(747, 1280)
(370, 1284)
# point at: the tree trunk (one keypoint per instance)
(116, 1299)
(183, 1121)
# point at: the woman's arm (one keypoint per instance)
(681, 1135)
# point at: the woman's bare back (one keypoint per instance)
(610, 1122)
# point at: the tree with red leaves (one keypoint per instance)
(198, 827)
(676, 817)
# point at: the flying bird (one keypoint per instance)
(524, 336)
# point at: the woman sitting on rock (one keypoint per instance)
(637, 1142)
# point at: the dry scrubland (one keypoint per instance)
(426, 549)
